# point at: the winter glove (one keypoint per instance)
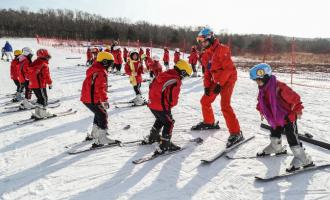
(217, 89)
(50, 86)
(207, 91)
(105, 105)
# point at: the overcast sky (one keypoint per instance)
(300, 18)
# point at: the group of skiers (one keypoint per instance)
(277, 102)
(31, 76)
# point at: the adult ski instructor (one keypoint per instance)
(219, 78)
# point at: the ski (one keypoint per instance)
(116, 143)
(129, 105)
(52, 101)
(18, 109)
(59, 114)
(153, 156)
(287, 174)
(252, 157)
(223, 152)
(306, 138)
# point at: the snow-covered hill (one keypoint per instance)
(34, 163)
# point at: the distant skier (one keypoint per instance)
(23, 76)
(117, 54)
(155, 67)
(141, 52)
(134, 70)
(89, 56)
(219, 78)
(163, 96)
(39, 78)
(193, 58)
(148, 61)
(281, 107)
(166, 58)
(14, 67)
(177, 55)
(125, 54)
(94, 96)
(8, 51)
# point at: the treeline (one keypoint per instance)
(78, 25)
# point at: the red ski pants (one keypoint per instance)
(227, 111)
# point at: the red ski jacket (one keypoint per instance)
(164, 91)
(176, 57)
(95, 85)
(138, 69)
(193, 58)
(288, 99)
(14, 67)
(148, 52)
(117, 56)
(156, 67)
(218, 64)
(23, 73)
(166, 57)
(39, 76)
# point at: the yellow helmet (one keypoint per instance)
(103, 55)
(17, 52)
(184, 66)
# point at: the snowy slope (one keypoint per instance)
(35, 165)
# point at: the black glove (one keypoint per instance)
(50, 87)
(217, 89)
(207, 91)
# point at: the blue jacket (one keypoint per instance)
(8, 47)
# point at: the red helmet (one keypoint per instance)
(43, 53)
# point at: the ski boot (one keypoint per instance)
(275, 147)
(139, 100)
(166, 145)
(26, 104)
(203, 126)
(89, 136)
(152, 137)
(41, 113)
(233, 139)
(300, 159)
(101, 138)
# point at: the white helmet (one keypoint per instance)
(116, 47)
(177, 50)
(27, 51)
(155, 57)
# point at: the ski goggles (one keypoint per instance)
(201, 39)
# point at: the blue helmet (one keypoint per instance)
(260, 71)
(205, 34)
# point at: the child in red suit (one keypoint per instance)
(163, 96)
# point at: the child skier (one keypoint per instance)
(118, 59)
(125, 54)
(177, 55)
(94, 97)
(155, 67)
(193, 58)
(163, 96)
(39, 78)
(134, 70)
(166, 58)
(23, 76)
(14, 66)
(89, 56)
(281, 107)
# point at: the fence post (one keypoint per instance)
(293, 59)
